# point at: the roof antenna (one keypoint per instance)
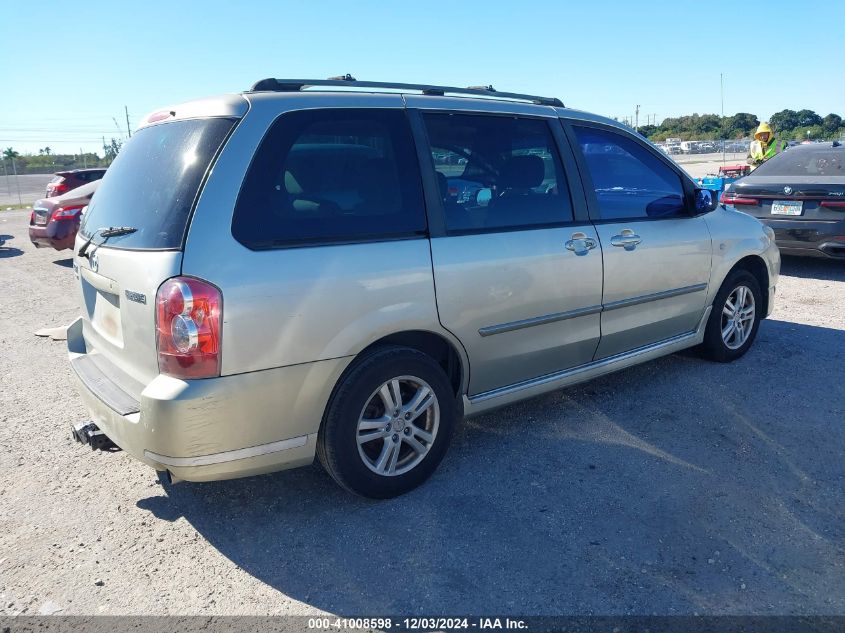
(346, 77)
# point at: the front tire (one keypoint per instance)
(734, 319)
(388, 424)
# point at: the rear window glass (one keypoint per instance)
(152, 184)
(80, 192)
(823, 161)
(329, 176)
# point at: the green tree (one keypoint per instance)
(831, 123)
(111, 149)
(784, 121)
(740, 125)
(11, 154)
(648, 130)
(808, 118)
(803, 133)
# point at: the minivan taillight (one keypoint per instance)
(189, 313)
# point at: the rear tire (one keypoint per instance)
(734, 319)
(388, 424)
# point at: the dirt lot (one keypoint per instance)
(676, 487)
(699, 165)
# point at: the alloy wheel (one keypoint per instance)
(738, 316)
(398, 425)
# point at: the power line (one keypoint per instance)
(31, 131)
(38, 141)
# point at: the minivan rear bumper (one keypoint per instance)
(216, 428)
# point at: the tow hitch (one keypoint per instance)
(88, 433)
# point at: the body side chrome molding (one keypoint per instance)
(487, 400)
(540, 320)
(490, 330)
(665, 294)
(229, 456)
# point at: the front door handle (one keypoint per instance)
(580, 244)
(627, 239)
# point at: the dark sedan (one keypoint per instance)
(800, 194)
(55, 221)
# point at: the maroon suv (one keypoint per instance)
(54, 221)
(65, 181)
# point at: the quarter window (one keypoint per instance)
(497, 172)
(323, 176)
(629, 181)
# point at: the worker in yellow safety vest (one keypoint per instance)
(764, 146)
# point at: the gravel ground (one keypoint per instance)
(675, 487)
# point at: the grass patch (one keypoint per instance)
(16, 207)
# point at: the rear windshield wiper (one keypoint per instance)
(105, 232)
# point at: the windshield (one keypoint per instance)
(805, 161)
(153, 182)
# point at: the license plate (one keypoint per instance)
(787, 207)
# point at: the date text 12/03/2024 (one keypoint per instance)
(416, 624)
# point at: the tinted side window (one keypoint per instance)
(497, 172)
(332, 176)
(629, 181)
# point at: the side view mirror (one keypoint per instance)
(705, 201)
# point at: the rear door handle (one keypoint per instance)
(580, 244)
(627, 239)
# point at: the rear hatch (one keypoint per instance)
(151, 187)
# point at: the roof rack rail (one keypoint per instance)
(348, 81)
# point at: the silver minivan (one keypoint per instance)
(348, 268)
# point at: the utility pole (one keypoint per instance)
(17, 180)
(128, 129)
(722, 90)
(84, 160)
(8, 182)
(637, 119)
